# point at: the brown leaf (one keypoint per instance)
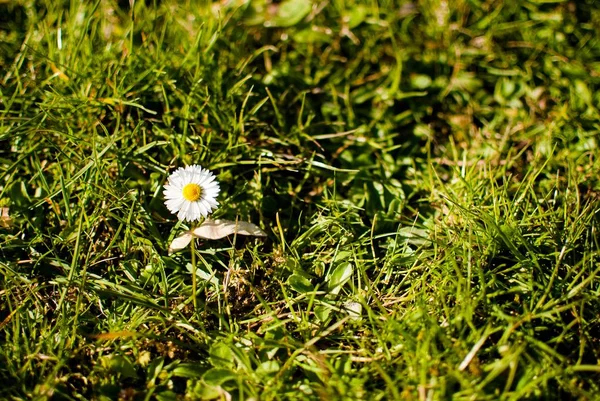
(5, 219)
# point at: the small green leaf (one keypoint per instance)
(189, 370)
(268, 368)
(218, 376)
(119, 364)
(221, 355)
(290, 12)
(322, 312)
(310, 35)
(18, 194)
(166, 396)
(356, 16)
(204, 391)
(420, 81)
(340, 276)
(154, 369)
(255, 13)
(583, 91)
(414, 236)
(341, 256)
(300, 284)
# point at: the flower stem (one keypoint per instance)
(194, 284)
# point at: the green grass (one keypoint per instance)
(427, 174)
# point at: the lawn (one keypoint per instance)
(427, 175)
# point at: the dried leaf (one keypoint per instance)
(354, 309)
(180, 242)
(5, 219)
(217, 229)
(58, 72)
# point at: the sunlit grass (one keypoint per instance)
(426, 174)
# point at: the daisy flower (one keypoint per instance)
(191, 192)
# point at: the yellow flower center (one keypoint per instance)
(192, 192)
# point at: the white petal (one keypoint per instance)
(212, 202)
(203, 211)
(197, 210)
(211, 191)
(174, 204)
(172, 193)
(183, 211)
(205, 205)
(207, 180)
